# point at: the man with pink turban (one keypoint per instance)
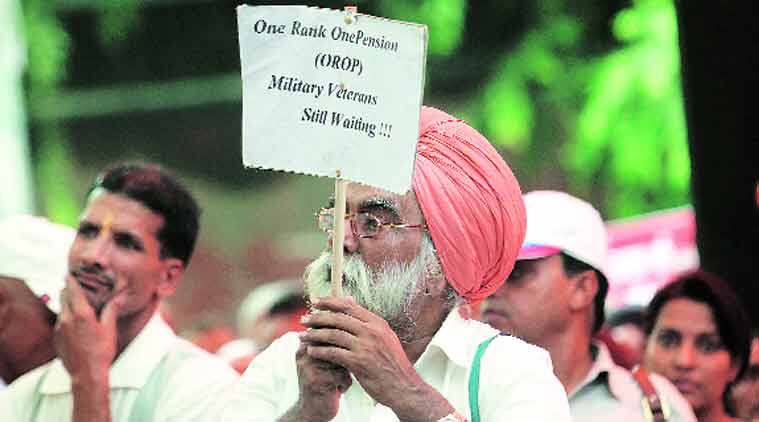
(395, 348)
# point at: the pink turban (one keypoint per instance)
(471, 202)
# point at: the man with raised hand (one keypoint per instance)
(118, 360)
(396, 348)
(554, 298)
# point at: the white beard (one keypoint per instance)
(387, 292)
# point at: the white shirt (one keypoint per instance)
(516, 380)
(610, 393)
(188, 390)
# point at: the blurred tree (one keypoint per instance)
(578, 95)
(719, 78)
(631, 130)
(47, 52)
(444, 20)
(614, 120)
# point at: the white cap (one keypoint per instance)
(35, 250)
(558, 222)
(262, 298)
(236, 349)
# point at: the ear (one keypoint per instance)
(171, 275)
(585, 287)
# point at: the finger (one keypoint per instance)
(334, 355)
(330, 336)
(345, 305)
(111, 310)
(359, 312)
(76, 299)
(65, 308)
(333, 320)
(302, 355)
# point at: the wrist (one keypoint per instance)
(91, 400)
(303, 413)
(89, 380)
(425, 404)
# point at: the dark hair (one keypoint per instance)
(154, 188)
(630, 314)
(729, 314)
(289, 304)
(574, 266)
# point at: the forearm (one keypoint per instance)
(91, 400)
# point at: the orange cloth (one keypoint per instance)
(471, 202)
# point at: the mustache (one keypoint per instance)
(95, 273)
(353, 265)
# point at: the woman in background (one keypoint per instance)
(699, 338)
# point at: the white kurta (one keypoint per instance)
(516, 380)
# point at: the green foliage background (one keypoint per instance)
(611, 122)
(616, 118)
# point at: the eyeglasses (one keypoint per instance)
(364, 225)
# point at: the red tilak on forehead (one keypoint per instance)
(107, 222)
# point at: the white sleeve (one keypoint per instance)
(16, 399)
(193, 392)
(268, 388)
(7, 408)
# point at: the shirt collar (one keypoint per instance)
(131, 369)
(603, 369)
(450, 340)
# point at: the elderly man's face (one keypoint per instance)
(383, 272)
(390, 245)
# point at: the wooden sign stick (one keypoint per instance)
(338, 236)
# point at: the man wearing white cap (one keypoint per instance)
(269, 311)
(33, 253)
(555, 298)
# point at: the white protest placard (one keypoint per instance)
(328, 90)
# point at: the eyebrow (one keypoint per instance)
(380, 204)
(370, 204)
(87, 223)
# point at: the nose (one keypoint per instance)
(96, 252)
(350, 239)
(685, 356)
